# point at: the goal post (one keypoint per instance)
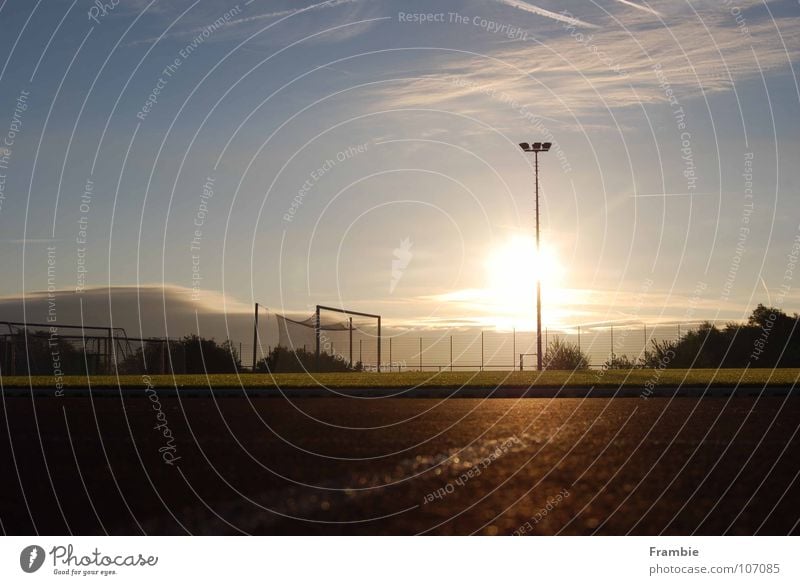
(522, 357)
(258, 347)
(329, 339)
(319, 327)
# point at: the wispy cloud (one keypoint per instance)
(280, 13)
(237, 23)
(609, 68)
(549, 14)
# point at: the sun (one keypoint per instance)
(512, 269)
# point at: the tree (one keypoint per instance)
(769, 339)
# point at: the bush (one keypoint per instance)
(282, 359)
(622, 362)
(561, 355)
(207, 356)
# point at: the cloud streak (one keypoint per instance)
(280, 13)
(524, 6)
(233, 23)
(640, 7)
(575, 69)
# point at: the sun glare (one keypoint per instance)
(512, 269)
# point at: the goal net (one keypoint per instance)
(31, 349)
(330, 339)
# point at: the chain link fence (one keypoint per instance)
(492, 350)
(36, 349)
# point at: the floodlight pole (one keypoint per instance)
(538, 271)
(536, 148)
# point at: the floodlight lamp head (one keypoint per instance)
(537, 146)
(525, 146)
(546, 146)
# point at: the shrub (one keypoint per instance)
(561, 355)
(282, 359)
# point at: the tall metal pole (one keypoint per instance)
(538, 273)
(351, 343)
(255, 338)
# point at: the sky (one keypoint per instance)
(364, 154)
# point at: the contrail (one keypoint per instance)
(640, 7)
(641, 195)
(764, 284)
(542, 12)
(265, 15)
(328, 4)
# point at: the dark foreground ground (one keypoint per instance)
(360, 466)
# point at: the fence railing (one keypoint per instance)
(73, 353)
(499, 350)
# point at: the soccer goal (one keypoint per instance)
(331, 339)
(350, 336)
(45, 348)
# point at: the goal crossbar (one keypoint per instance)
(346, 312)
(317, 328)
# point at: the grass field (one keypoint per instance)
(548, 379)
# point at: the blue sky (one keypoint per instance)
(425, 187)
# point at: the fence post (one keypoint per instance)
(109, 350)
(645, 338)
(317, 326)
(481, 350)
(255, 338)
(612, 343)
(379, 344)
